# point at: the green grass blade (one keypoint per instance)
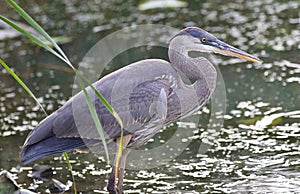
(36, 26)
(105, 103)
(71, 169)
(94, 115)
(115, 114)
(35, 39)
(16, 77)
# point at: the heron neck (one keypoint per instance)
(199, 69)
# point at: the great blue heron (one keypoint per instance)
(153, 103)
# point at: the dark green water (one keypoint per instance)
(257, 149)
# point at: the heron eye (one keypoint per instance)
(203, 39)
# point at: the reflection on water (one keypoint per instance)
(257, 149)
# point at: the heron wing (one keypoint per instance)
(145, 103)
(132, 92)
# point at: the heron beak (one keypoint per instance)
(225, 49)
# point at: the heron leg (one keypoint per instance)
(119, 164)
(122, 168)
(111, 182)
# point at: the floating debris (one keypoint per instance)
(8, 185)
(42, 172)
(155, 4)
(274, 119)
(45, 173)
(7, 32)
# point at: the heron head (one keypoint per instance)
(197, 39)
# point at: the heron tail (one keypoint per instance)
(49, 146)
(42, 141)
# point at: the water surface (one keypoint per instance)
(257, 148)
